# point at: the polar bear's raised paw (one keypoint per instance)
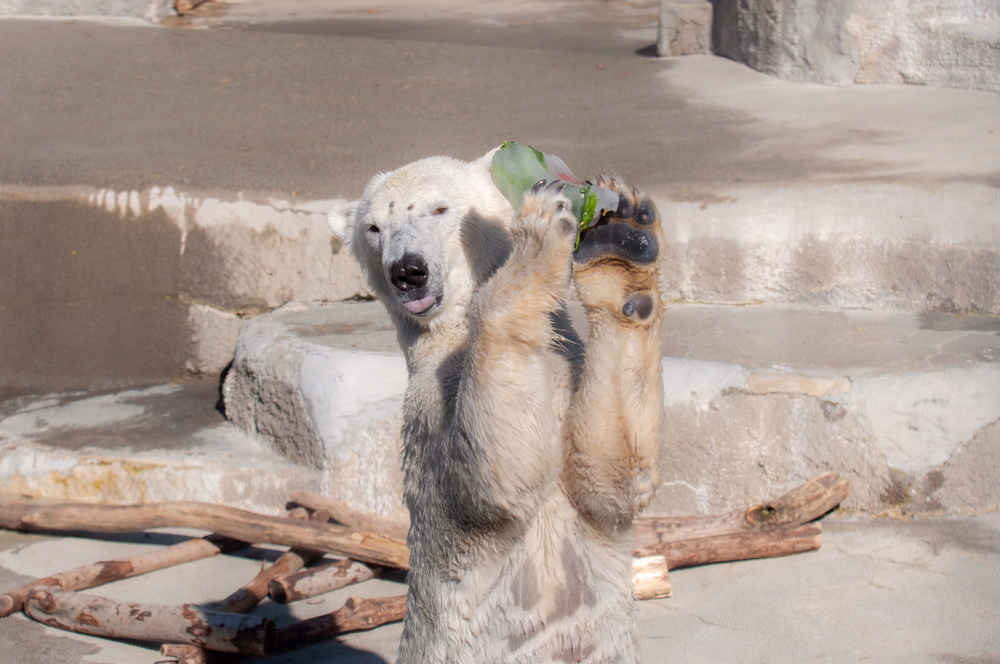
(546, 213)
(615, 265)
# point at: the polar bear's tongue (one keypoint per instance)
(419, 306)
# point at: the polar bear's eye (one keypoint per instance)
(373, 228)
(440, 210)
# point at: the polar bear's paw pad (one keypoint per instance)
(626, 234)
(638, 305)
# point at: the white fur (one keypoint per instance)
(505, 567)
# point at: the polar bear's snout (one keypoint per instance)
(409, 276)
(408, 273)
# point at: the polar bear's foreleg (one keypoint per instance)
(505, 419)
(616, 416)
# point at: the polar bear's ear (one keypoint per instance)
(341, 219)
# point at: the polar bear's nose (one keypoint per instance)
(409, 273)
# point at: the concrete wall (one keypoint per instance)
(953, 43)
(102, 288)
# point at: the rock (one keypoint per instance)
(213, 336)
(106, 288)
(926, 42)
(685, 28)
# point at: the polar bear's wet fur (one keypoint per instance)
(525, 453)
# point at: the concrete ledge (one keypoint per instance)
(323, 385)
(865, 246)
(760, 398)
(159, 443)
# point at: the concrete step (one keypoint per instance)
(907, 405)
(133, 256)
(158, 443)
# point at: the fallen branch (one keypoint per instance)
(252, 593)
(391, 526)
(800, 505)
(228, 521)
(356, 614)
(188, 623)
(760, 543)
(651, 577)
(317, 580)
(90, 576)
(290, 562)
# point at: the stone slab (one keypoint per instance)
(760, 398)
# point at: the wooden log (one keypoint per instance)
(317, 580)
(91, 576)
(228, 521)
(356, 614)
(188, 623)
(801, 505)
(651, 577)
(184, 6)
(396, 527)
(758, 543)
(252, 593)
(290, 562)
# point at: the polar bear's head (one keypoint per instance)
(426, 235)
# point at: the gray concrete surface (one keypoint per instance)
(893, 592)
(185, 171)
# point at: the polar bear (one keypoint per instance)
(526, 454)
